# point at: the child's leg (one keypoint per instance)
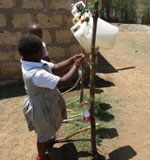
(41, 147)
(51, 143)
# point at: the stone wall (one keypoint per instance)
(16, 15)
(55, 18)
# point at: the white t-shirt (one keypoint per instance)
(42, 78)
(45, 51)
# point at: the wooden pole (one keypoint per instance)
(83, 74)
(82, 83)
(92, 79)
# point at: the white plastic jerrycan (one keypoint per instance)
(77, 8)
(105, 35)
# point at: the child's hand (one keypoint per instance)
(78, 62)
(78, 56)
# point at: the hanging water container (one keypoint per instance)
(77, 8)
(105, 35)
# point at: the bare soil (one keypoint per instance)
(131, 60)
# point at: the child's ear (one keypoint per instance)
(40, 52)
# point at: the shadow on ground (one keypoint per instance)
(12, 89)
(122, 153)
(101, 112)
(103, 66)
(99, 82)
(15, 89)
(106, 133)
(126, 68)
(69, 152)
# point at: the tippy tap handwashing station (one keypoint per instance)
(82, 30)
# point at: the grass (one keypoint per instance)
(104, 114)
(81, 143)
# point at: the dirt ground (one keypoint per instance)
(131, 60)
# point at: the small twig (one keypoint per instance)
(76, 84)
(67, 120)
(66, 86)
(72, 87)
(74, 133)
(70, 110)
(77, 115)
(71, 118)
(72, 102)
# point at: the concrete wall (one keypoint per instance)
(55, 18)
(16, 15)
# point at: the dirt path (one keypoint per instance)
(132, 85)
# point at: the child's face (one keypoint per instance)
(38, 32)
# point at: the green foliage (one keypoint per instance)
(91, 6)
(126, 11)
(119, 11)
(89, 65)
(146, 16)
(103, 115)
(96, 1)
(89, 3)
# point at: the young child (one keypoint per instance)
(37, 30)
(44, 107)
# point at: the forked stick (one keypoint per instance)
(71, 118)
(74, 133)
(76, 84)
(77, 115)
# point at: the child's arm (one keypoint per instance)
(45, 79)
(70, 74)
(65, 64)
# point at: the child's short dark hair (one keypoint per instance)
(29, 44)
